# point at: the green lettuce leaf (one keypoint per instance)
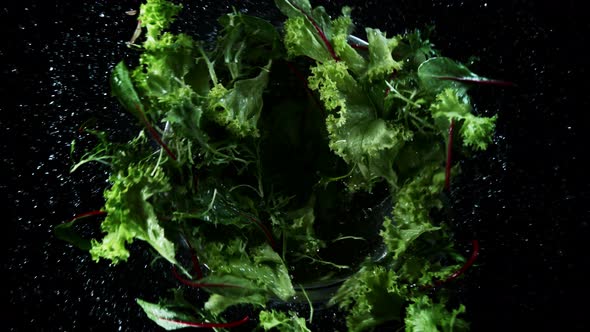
(238, 109)
(217, 303)
(278, 320)
(373, 296)
(411, 213)
(424, 315)
(381, 63)
(342, 27)
(365, 141)
(475, 131)
(131, 215)
(255, 275)
(156, 15)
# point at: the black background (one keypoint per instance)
(526, 199)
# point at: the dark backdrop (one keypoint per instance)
(526, 199)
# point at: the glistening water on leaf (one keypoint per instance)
(291, 155)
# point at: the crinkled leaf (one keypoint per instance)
(342, 27)
(131, 215)
(372, 296)
(238, 109)
(399, 238)
(282, 322)
(425, 316)
(301, 39)
(381, 63)
(300, 230)
(411, 213)
(475, 131)
(362, 139)
(155, 16)
(256, 274)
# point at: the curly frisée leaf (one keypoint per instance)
(356, 133)
(424, 315)
(373, 297)
(411, 212)
(131, 215)
(475, 131)
(282, 322)
(156, 15)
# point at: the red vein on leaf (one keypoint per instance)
(196, 265)
(477, 81)
(207, 325)
(449, 156)
(320, 32)
(153, 132)
(88, 214)
(199, 284)
(470, 261)
(195, 261)
(266, 231)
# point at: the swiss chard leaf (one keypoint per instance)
(307, 30)
(253, 275)
(440, 73)
(66, 233)
(167, 316)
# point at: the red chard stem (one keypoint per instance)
(198, 284)
(320, 32)
(208, 325)
(470, 261)
(88, 214)
(479, 81)
(154, 133)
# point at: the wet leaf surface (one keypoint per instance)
(525, 199)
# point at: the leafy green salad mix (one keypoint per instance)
(291, 163)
